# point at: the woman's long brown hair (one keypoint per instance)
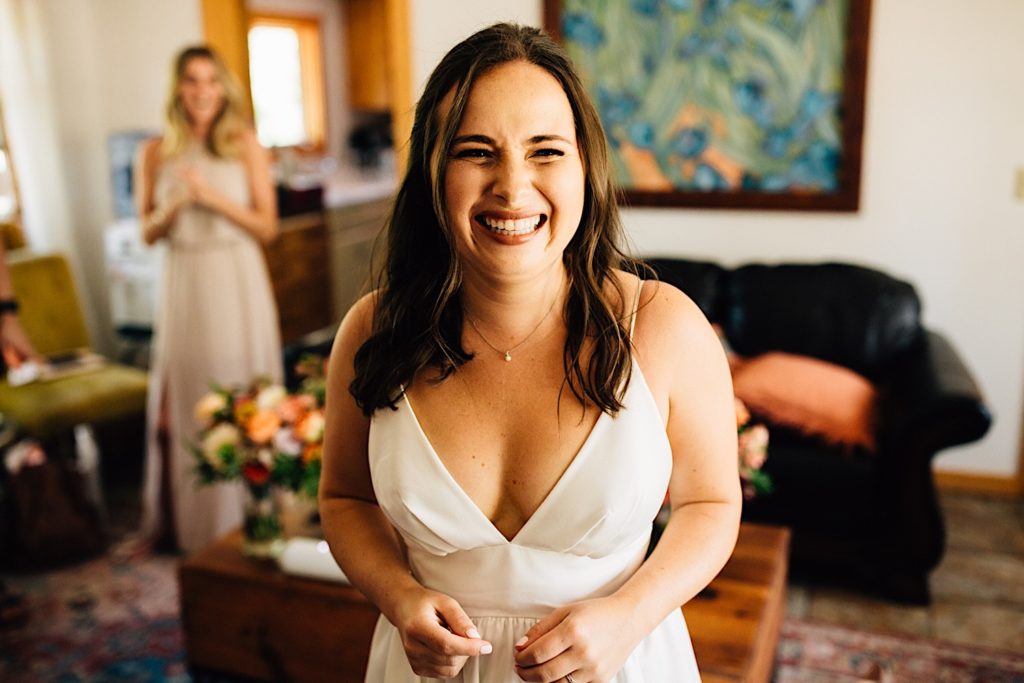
(418, 315)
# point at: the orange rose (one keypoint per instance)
(262, 427)
(245, 408)
(311, 452)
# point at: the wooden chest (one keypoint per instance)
(247, 618)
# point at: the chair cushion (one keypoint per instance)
(110, 392)
(812, 396)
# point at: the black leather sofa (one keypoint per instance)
(870, 520)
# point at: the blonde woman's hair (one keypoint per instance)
(223, 139)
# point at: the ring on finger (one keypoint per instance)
(568, 678)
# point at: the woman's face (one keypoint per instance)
(200, 91)
(514, 183)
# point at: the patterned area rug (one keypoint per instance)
(117, 620)
(813, 652)
(105, 620)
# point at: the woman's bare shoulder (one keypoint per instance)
(659, 303)
(148, 150)
(357, 325)
(669, 322)
(249, 146)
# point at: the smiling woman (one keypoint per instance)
(514, 176)
(556, 398)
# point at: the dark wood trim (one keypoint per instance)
(845, 199)
(969, 482)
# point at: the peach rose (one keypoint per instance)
(262, 426)
(292, 409)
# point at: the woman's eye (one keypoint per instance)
(471, 153)
(549, 152)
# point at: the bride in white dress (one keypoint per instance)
(508, 409)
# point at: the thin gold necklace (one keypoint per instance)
(507, 354)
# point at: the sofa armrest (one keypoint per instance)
(929, 399)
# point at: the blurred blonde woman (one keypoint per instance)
(205, 190)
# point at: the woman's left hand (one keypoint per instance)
(589, 640)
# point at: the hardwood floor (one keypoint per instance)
(977, 590)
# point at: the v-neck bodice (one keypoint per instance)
(586, 538)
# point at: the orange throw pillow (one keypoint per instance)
(813, 396)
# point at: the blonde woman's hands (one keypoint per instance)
(437, 634)
(589, 640)
(196, 188)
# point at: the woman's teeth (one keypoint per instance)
(520, 226)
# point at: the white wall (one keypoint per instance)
(943, 138)
(110, 64)
(944, 134)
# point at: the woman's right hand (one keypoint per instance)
(157, 225)
(437, 634)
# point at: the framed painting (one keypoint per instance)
(736, 104)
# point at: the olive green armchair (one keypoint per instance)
(51, 315)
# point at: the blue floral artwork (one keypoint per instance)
(715, 95)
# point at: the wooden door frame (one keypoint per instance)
(226, 27)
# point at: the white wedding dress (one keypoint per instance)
(585, 540)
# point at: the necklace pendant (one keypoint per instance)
(508, 357)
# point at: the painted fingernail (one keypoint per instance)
(521, 641)
(486, 649)
(473, 633)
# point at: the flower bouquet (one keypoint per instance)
(266, 437)
(753, 450)
(752, 447)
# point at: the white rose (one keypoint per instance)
(311, 428)
(265, 456)
(286, 442)
(220, 435)
(208, 406)
(270, 397)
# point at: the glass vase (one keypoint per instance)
(262, 535)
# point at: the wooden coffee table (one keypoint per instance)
(734, 624)
(247, 618)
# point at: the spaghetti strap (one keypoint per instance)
(636, 307)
